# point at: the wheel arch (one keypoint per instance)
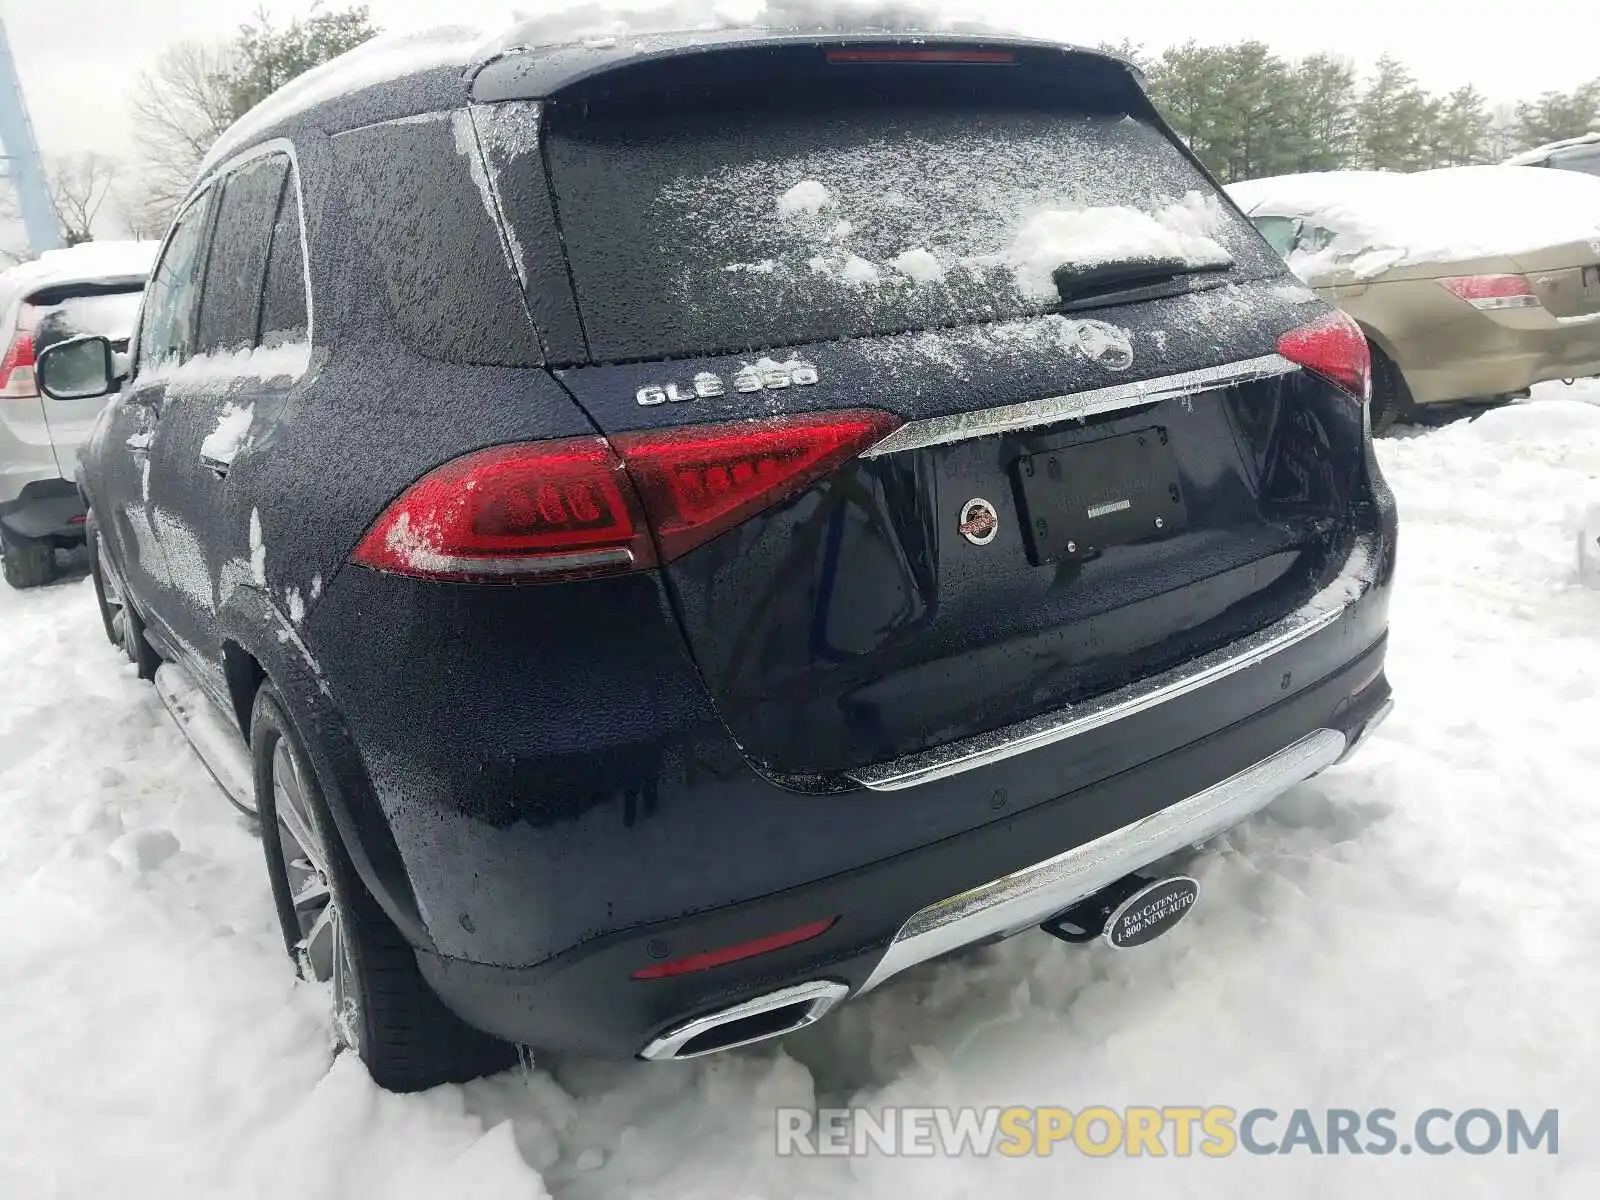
(260, 646)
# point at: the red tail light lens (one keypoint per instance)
(703, 480)
(16, 368)
(1333, 347)
(1490, 292)
(549, 510)
(728, 954)
(585, 506)
(988, 58)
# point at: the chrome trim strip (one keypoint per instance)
(1035, 894)
(958, 427)
(821, 993)
(971, 753)
(546, 564)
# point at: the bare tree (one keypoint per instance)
(78, 189)
(179, 107)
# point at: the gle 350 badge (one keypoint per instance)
(767, 377)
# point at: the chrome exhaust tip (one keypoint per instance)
(773, 1015)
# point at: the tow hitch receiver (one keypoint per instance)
(1129, 913)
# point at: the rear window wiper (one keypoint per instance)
(1129, 282)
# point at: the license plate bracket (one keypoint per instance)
(1079, 500)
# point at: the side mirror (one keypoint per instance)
(79, 369)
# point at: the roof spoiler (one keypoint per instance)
(605, 67)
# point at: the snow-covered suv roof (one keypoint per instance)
(90, 262)
(1538, 154)
(430, 70)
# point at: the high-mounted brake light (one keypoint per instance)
(987, 58)
(581, 507)
(728, 954)
(1333, 347)
(1490, 292)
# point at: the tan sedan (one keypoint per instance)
(1472, 283)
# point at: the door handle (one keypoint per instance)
(216, 466)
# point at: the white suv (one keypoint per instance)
(94, 288)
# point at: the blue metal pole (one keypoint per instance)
(26, 169)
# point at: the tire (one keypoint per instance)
(135, 645)
(27, 563)
(110, 613)
(337, 933)
(1391, 398)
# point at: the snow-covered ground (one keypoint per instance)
(1416, 928)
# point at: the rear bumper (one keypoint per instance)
(999, 878)
(46, 510)
(1510, 352)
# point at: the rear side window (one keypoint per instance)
(284, 316)
(169, 317)
(419, 204)
(230, 304)
(722, 229)
(1279, 232)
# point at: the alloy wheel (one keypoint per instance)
(323, 950)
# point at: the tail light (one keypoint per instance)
(581, 507)
(1490, 292)
(1333, 347)
(728, 954)
(702, 480)
(16, 368)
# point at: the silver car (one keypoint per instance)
(94, 288)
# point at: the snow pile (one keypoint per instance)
(223, 442)
(1178, 231)
(261, 364)
(1381, 219)
(808, 196)
(83, 262)
(1407, 930)
(1092, 237)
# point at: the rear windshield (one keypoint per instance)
(701, 232)
(110, 314)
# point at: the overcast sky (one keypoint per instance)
(76, 57)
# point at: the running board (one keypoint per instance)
(213, 734)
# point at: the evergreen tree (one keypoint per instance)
(1558, 115)
(1324, 135)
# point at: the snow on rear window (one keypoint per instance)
(734, 231)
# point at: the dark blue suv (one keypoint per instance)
(668, 533)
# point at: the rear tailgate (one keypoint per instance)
(1074, 499)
